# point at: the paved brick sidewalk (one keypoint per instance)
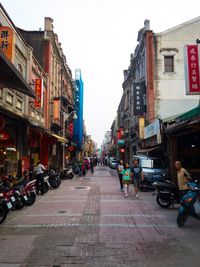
(88, 222)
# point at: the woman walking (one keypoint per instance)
(126, 174)
(120, 169)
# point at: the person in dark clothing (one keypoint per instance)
(92, 165)
(137, 176)
(120, 169)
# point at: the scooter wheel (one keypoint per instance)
(165, 204)
(181, 219)
(55, 183)
(70, 176)
(46, 187)
(31, 200)
(3, 214)
(19, 204)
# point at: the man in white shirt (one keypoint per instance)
(39, 170)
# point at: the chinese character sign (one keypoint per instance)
(56, 109)
(192, 69)
(6, 41)
(139, 99)
(39, 93)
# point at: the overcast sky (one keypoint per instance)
(98, 37)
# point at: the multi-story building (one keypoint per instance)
(15, 55)
(155, 86)
(40, 128)
(59, 96)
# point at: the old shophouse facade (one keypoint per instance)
(36, 129)
(157, 70)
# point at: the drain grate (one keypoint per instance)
(81, 187)
(62, 211)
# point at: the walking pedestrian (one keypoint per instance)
(183, 177)
(92, 165)
(39, 170)
(120, 169)
(137, 176)
(126, 174)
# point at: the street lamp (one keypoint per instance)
(73, 115)
(197, 41)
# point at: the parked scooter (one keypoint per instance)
(75, 168)
(188, 202)
(27, 191)
(67, 173)
(54, 178)
(14, 197)
(5, 206)
(167, 193)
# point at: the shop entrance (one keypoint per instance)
(189, 152)
(8, 155)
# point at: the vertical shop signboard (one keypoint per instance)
(6, 41)
(39, 93)
(25, 164)
(56, 109)
(139, 99)
(192, 78)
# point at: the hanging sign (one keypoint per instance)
(192, 78)
(6, 41)
(56, 109)
(139, 99)
(39, 93)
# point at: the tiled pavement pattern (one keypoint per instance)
(97, 226)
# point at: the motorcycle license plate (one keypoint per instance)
(9, 205)
(13, 199)
(25, 197)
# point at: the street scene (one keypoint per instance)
(88, 222)
(99, 133)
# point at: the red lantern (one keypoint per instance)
(37, 135)
(70, 148)
(32, 143)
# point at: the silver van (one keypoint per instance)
(153, 169)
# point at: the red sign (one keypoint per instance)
(120, 133)
(192, 70)
(6, 41)
(39, 93)
(25, 164)
(71, 129)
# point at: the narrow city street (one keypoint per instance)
(88, 222)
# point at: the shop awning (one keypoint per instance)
(10, 77)
(60, 138)
(189, 115)
(148, 150)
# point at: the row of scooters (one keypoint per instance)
(23, 193)
(167, 194)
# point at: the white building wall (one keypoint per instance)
(170, 90)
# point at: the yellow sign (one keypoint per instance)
(141, 127)
(6, 41)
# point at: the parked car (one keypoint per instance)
(153, 170)
(113, 164)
